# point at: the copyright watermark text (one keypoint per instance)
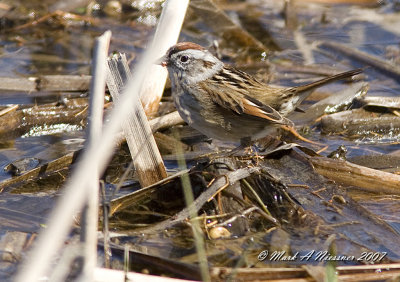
(319, 256)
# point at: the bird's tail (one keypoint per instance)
(313, 85)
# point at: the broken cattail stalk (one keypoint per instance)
(347, 2)
(146, 157)
(346, 273)
(46, 83)
(162, 122)
(18, 121)
(45, 169)
(359, 123)
(347, 173)
(166, 121)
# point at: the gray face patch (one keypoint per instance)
(193, 66)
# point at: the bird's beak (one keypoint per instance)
(163, 61)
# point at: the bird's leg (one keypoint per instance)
(245, 143)
(292, 130)
(251, 149)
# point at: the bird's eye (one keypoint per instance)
(184, 59)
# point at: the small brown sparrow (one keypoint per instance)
(228, 104)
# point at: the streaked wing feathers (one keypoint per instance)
(238, 99)
(256, 108)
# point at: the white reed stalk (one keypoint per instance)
(106, 275)
(166, 35)
(90, 214)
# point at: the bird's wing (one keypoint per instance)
(236, 97)
(255, 108)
